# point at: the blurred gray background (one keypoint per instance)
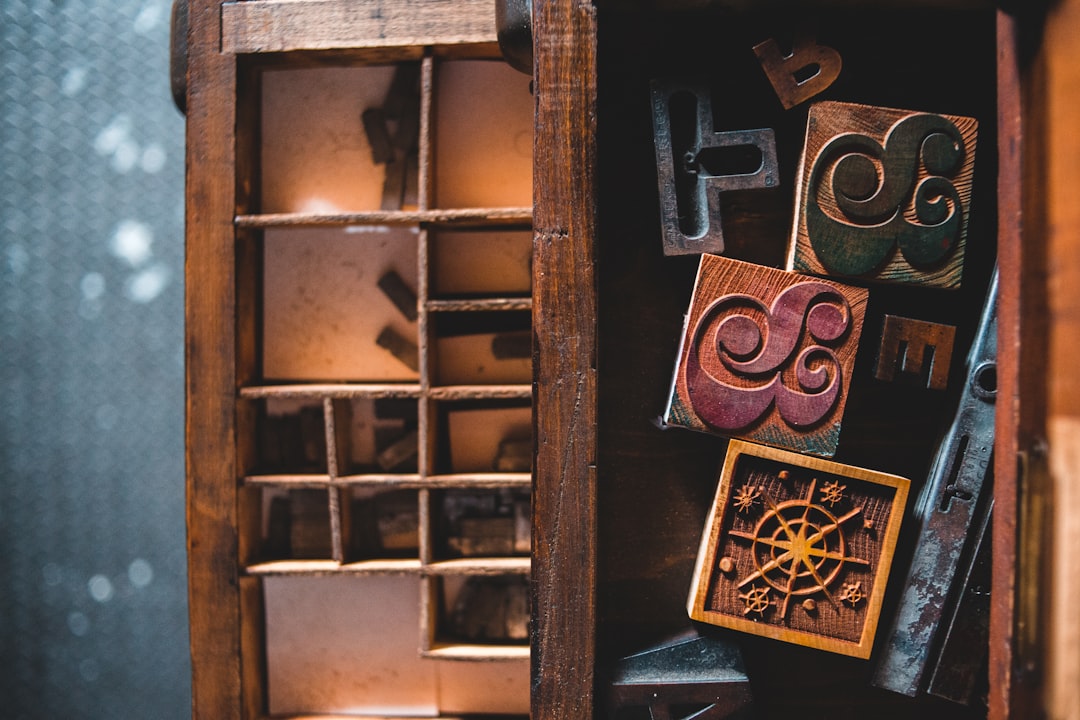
(93, 608)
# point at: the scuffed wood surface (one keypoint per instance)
(565, 395)
(213, 568)
(1014, 261)
(1055, 146)
(283, 25)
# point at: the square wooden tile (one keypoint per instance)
(766, 355)
(884, 195)
(798, 549)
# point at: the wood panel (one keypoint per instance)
(283, 25)
(564, 360)
(213, 567)
(1012, 306)
(1057, 157)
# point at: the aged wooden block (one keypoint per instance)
(695, 163)
(766, 355)
(884, 195)
(916, 349)
(806, 71)
(798, 549)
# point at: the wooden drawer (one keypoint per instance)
(539, 216)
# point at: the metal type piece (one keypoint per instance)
(393, 196)
(512, 345)
(404, 90)
(399, 293)
(378, 136)
(400, 347)
(694, 164)
(688, 671)
(398, 453)
(964, 646)
(915, 348)
(951, 511)
(513, 28)
(808, 70)
(410, 193)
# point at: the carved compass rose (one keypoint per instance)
(798, 548)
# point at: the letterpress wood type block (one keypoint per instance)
(766, 355)
(798, 549)
(789, 73)
(695, 163)
(915, 349)
(884, 195)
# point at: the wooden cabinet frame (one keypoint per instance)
(1033, 316)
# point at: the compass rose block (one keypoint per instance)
(808, 559)
(766, 356)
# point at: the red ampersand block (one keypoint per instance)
(767, 355)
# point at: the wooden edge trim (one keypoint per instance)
(563, 582)
(214, 595)
(257, 26)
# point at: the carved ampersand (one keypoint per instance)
(762, 353)
(875, 187)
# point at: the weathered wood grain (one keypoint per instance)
(1043, 382)
(1021, 398)
(285, 25)
(213, 566)
(564, 362)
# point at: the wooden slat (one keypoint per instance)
(478, 652)
(481, 392)
(479, 566)
(289, 481)
(1021, 393)
(563, 587)
(1057, 184)
(330, 567)
(480, 305)
(401, 481)
(213, 568)
(258, 26)
(342, 391)
(458, 216)
(479, 480)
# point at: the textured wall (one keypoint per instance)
(93, 618)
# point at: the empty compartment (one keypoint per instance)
(483, 135)
(481, 523)
(481, 263)
(340, 139)
(290, 437)
(382, 436)
(383, 524)
(295, 524)
(484, 436)
(346, 645)
(482, 610)
(339, 304)
(482, 348)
